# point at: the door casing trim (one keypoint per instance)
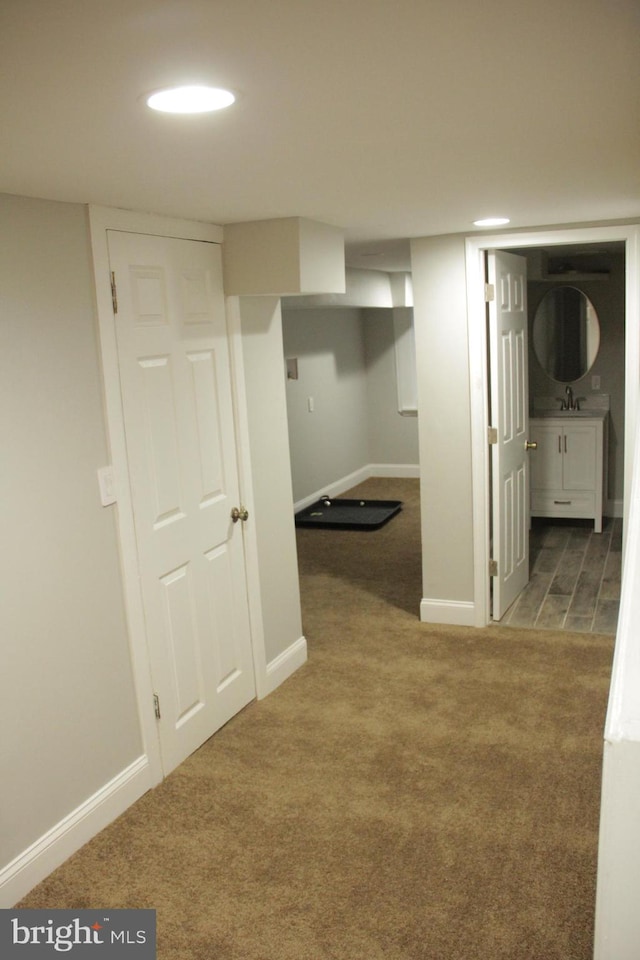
(100, 220)
(475, 248)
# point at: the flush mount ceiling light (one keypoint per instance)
(190, 99)
(491, 222)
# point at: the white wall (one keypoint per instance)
(363, 288)
(617, 929)
(271, 495)
(69, 720)
(617, 925)
(346, 363)
(444, 426)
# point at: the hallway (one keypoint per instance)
(415, 791)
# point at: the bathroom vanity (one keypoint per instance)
(568, 466)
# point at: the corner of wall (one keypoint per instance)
(452, 612)
(282, 667)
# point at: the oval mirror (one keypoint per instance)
(566, 334)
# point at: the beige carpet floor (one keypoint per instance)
(413, 791)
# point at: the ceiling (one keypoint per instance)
(389, 118)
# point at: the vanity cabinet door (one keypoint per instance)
(579, 450)
(546, 461)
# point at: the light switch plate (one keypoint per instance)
(106, 483)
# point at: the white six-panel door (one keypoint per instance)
(510, 415)
(180, 439)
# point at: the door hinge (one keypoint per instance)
(156, 705)
(493, 568)
(492, 434)
(114, 292)
(489, 292)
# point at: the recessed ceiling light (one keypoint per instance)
(491, 222)
(190, 99)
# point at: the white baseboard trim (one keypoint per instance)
(334, 489)
(614, 508)
(359, 476)
(66, 837)
(410, 470)
(454, 612)
(283, 666)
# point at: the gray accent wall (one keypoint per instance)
(346, 365)
(393, 439)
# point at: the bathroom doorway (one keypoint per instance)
(481, 372)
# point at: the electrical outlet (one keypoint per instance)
(292, 368)
(595, 382)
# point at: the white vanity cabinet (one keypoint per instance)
(568, 467)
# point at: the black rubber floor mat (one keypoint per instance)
(348, 514)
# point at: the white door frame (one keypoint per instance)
(476, 318)
(102, 219)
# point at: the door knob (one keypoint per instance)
(239, 513)
(530, 445)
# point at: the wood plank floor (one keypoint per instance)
(575, 577)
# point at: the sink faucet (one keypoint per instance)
(570, 403)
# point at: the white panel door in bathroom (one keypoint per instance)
(510, 415)
(176, 391)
